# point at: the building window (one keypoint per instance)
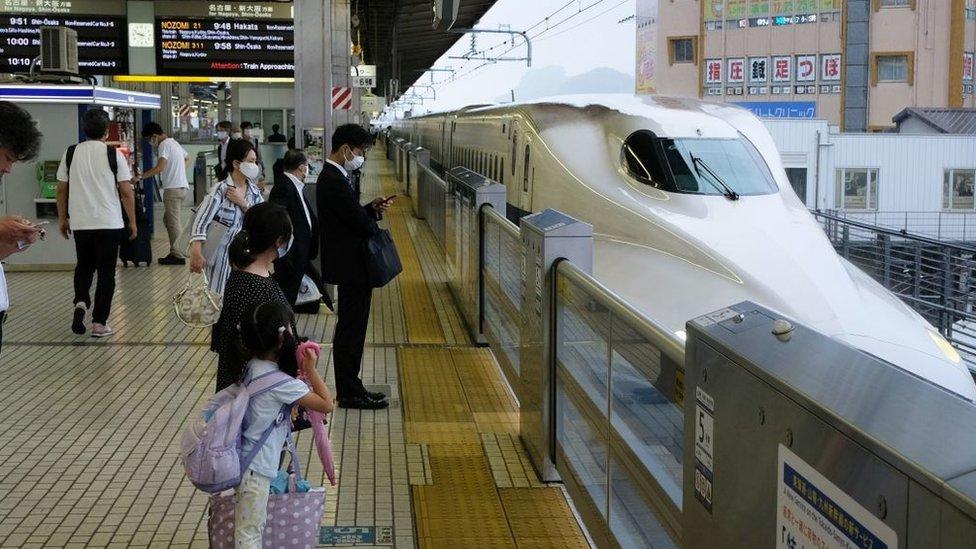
(857, 189)
(798, 180)
(681, 49)
(957, 190)
(893, 67)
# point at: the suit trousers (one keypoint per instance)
(350, 337)
(173, 202)
(97, 251)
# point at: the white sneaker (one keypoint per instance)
(101, 330)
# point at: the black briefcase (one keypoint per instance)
(382, 259)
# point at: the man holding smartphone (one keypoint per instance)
(20, 141)
(345, 226)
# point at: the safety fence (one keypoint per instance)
(948, 226)
(599, 385)
(936, 278)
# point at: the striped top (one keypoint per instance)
(217, 208)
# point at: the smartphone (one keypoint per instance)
(389, 198)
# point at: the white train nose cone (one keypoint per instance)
(946, 371)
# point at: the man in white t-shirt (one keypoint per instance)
(20, 141)
(91, 212)
(171, 165)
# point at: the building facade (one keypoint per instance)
(854, 63)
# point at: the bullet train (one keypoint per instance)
(691, 211)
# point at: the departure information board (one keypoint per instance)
(249, 39)
(100, 26)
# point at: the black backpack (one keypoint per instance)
(113, 164)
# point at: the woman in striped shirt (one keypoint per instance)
(225, 205)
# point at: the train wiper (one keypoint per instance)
(715, 180)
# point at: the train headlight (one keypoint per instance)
(947, 349)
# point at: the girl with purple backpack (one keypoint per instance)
(268, 345)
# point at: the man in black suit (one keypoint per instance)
(288, 191)
(221, 169)
(346, 225)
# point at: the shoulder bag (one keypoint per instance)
(382, 260)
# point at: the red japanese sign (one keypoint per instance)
(713, 71)
(736, 70)
(829, 67)
(806, 68)
(782, 69)
(967, 66)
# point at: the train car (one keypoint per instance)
(691, 211)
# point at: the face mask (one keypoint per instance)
(354, 164)
(221, 135)
(250, 170)
(236, 135)
(282, 250)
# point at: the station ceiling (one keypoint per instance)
(404, 29)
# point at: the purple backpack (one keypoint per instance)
(211, 443)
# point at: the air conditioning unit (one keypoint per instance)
(445, 14)
(59, 50)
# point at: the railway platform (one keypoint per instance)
(89, 429)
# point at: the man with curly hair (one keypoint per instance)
(20, 141)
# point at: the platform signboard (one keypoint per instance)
(249, 39)
(100, 26)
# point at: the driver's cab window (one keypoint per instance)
(641, 158)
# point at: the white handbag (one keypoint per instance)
(308, 291)
(196, 305)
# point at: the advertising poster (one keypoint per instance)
(782, 7)
(805, 6)
(646, 46)
(758, 69)
(829, 5)
(967, 66)
(736, 9)
(714, 10)
(758, 8)
(736, 70)
(782, 68)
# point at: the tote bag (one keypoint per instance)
(293, 517)
(382, 259)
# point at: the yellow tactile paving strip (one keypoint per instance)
(423, 324)
(452, 399)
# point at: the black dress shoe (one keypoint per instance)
(363, 403)
(376, 396)
(171, 260)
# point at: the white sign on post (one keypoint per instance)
(811, 511)
(363, 81)
(362, 70)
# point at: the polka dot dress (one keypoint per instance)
(243, 291)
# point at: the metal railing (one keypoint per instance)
(619, 417)
(936, 278)
(616, 376)
(951, 226)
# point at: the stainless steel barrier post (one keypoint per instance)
(794, 439)
(402, 161)
(547, 237)
(415, 188)
(471, 191)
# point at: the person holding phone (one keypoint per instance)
(20, 141)
(345, 226)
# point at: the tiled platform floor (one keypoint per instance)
(89, 429)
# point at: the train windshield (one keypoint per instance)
(698, 165)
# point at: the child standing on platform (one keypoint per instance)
(269, 345)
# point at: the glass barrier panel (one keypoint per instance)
(632, 520)
(648, 422)
(582, 332)
(582, 444)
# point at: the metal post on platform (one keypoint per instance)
(313, 71)
(547, 237)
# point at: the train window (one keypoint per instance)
(503, 128)
(514, 150)
(525, 170)
(494, 173)
(697, 165)
(642, 159)
(501, 171)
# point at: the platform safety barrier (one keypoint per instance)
(737, 438)
(203, 174)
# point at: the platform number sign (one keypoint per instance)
(364, 81)
(704, 442)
